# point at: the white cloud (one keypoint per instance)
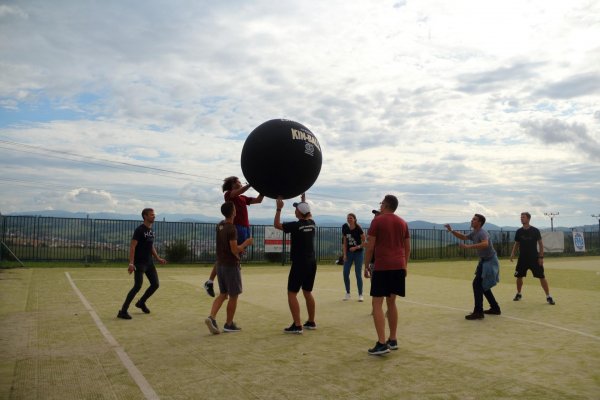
(451, 105)
(90, 197)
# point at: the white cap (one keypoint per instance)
(303, 207)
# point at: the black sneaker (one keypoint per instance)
(208, 286)
(232, 327)
(142, 306)
(310, 325)
(493, 311)
(517, 297)
(212, 325)
(379, 349)
(123, 315)
(392, 344)
(293, 329)
(550, 300)
(475, 315)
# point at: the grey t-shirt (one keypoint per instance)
(478, 237)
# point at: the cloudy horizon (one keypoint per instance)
(455, 107)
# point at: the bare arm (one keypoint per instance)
(361, 245)
(516, 247)
(132, 247)
(237, 192)
(541, 252)
(344, 242)
(236, 249)
(454, 233)
(277, 220)
(478, 246)
(258, 199)
(407, 250)
(155, 254)
(369, 254)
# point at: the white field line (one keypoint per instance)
(509, 317)
(441, 306)
(135, 373)
(589, 335)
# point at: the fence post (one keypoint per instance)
(2, 238)
(441, 244)
(89, 240)
(35, 235)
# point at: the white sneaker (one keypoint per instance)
(361, 298)
(347, 297)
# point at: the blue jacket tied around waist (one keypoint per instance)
(490, 272)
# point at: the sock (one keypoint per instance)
(209, 281)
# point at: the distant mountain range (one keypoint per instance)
(322, 220)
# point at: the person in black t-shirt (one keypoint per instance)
(353, 242)
(304, 264)
(141, 251)
(528, 240)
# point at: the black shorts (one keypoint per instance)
(532, 264)
(302, 275)
(230, 279)
(386, 283)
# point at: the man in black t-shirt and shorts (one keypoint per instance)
(528, 240)
(304, 264)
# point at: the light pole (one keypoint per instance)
(597, 216)
(552, 215)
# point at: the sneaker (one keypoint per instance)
(361, 298)
(550, 300)
(232, 327)
(208, 286)
(142, 306)
(392, 344)
(293, 329)
(475, 315)
(123, 315)
(310, 325)
(379, 349)
(493, 311)
(517, 297)
(212, 325)
(347, 297)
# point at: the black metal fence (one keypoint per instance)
(33, 238)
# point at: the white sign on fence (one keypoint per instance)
(554, 242)
(274, 240)
(578, 241)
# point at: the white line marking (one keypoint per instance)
(509, 317)
(135, 373)
(428, 305)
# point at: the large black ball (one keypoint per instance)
(281, 158)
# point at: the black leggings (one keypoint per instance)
(138, 277)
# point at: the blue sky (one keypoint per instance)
(456, 107)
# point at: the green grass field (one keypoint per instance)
(52, 347)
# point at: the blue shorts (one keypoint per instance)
(243, 233)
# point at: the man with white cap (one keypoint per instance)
(304, 264)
